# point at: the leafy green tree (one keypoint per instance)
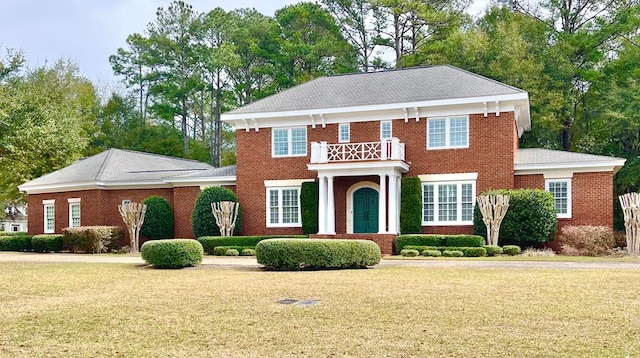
(204, 224)
(158, 219)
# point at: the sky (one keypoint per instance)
(87, 32)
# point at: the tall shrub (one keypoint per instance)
(411, 206)
(204, 224)
(531, 217)
(158, 220)
(309, 204)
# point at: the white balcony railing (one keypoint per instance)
(387, 149)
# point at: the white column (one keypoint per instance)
(382, 207)
(322, 204)
(399, 189)
(393, 205)
(331, 210)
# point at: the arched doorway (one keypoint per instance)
(365, 211)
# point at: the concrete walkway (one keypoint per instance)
(222, 261)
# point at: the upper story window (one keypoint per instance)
(449, 132)
(74, 212)
(448, 203)
(561, 190)
(49, 216)
(385, 130)
(344, 133)
(289, 142)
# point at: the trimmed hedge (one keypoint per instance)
(493, 250)
(402, 241)
(409, 252)
(452, 253)
(158, 219)
(222, 250)
(248, 252)
(232, 252)
(294, 254)
(309, 207)
(474, 252)
(431, 253)
(203, 222)
(411, 206)
(530, 219)
(172, 253)
(209, 243)
(420, 248)
(15, 242)
(511, 250)
(47, 243)
(92, 239)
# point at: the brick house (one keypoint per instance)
(89, 191)
(357, 135)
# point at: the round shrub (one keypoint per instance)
(176, 253)
(475, 252)
(452, 253)
(511, 250)
(301, 254)
(47, 243)
(158, 219)
(203, 222)
(493, 250)
(432, 253)
(248, 252)
(409, 252)
(232, 252)
(530, 219)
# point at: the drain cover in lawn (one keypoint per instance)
(293, 301)
(287, 301)
(307, 303)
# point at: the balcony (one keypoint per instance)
(387, 149)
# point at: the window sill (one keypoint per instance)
(448, 223)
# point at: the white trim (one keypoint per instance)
(558, 175)
(447, 132)
(448, 177)
(390, 129)
(72, 203)
(566, 215)
(574, 167)
(49, 201)
(49, 204)
(73, 200)
(289, 142)
(268, 207)
(340, 126)
(285, 183)
(352, 189)
(436, 201)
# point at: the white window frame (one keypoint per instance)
(49, 204)
(74, 202)
(280, 219)
(289, 142)
(348, 132)
(382, 123)
(436, 201)
(547, 184)
(447, 132)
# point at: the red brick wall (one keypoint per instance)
(491, 153)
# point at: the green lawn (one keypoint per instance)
(110, 310)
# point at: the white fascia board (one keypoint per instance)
(231, 118)
(575, 167)
(448, 177)
(53, 188)
(285, 183)
(381, 167)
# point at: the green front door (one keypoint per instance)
(365, 211)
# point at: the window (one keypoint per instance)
(450, 132)
(344, 133)
(561, 190)
(448, 203)
(49, 216)
(288, 142)
(283, 207)
(125, 202)
(385, 130)
(74, 212)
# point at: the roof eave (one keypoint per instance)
(219, 180)
(613, 165)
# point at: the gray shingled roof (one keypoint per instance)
(377, 88)
(538, 156)
(117, 165)
(227, 171)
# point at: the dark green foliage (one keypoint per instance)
(294, 254)
(493, 250)
(474, 251)
(172, 254)
(222, 250)
(464, 240)
(420, 248)
(47, 243)
(209, 243)
(15, 242)
(452, 253)
(232, 252)
(418, 240)
(204, 224)
(530, 219)
(92, 239)
(432, 253)
(411, 206)
(158, 220)
(409, 252)
(309, 207)
(248, 252)
(511, 250)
